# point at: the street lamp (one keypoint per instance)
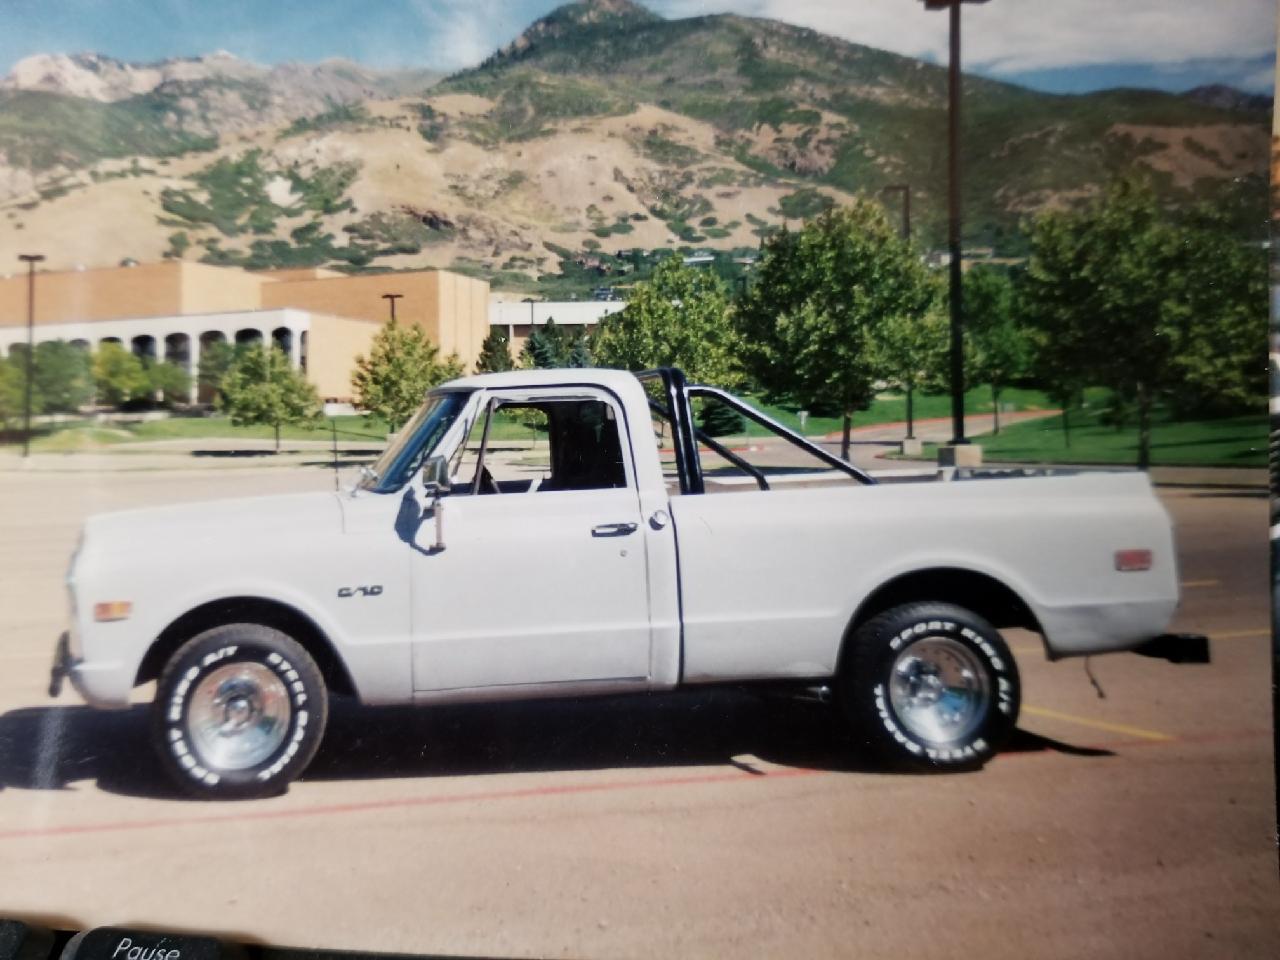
(905, 190)
(953, 214)
(391, 298)
(30, 259)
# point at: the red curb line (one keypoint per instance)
(403, 803)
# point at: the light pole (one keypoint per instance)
(953, 215)
(905, 190)
(30, 259)
(391, 298)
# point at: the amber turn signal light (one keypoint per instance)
(1130, 560)
(112, 610)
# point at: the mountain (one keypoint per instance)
(788, 100)
(58, 111)
(1229, 98)
(601, 134)
(577, 19)
(107, 80)
(299, 86)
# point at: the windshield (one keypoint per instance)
(415, 442)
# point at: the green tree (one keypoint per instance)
(13, 380)
(263, 388)
(1216, 311)
(403, 364)
(813, 321)
(913, 354)
(169, 380)
(63, 376)
(715, 419)
(119, 376)
(579, 352)
(547, 347)
(679, 318)
(1123, 297)
(495, 352)
(216, 359)
(998, 349)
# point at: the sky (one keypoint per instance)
(1055, 45)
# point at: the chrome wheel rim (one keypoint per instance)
(239, 716)
(939, 691)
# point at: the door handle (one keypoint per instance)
(613, 529)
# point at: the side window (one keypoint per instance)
(517, 450)
(542, 446)
(662, 436)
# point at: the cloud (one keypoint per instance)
(1008, 36)
(461, 33)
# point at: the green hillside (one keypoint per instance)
(860, 118)
(42, 130)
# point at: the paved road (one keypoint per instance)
(1141, 825)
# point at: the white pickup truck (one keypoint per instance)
(584, 532)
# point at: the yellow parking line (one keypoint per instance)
(1192, 584)
(1240, 634)
(1098, 724)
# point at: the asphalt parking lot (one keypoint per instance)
(1139, 825)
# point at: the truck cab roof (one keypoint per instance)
(596, 376)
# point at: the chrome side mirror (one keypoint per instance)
(435, 476)
(435, 484)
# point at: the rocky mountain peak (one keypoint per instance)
(95, 76)
(574, 17)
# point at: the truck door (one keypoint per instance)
(542, 582)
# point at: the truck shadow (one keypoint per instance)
(53, 748)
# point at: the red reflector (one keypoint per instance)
(1129, 560)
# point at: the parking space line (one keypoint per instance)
(1153, 735)
(1193, 584)
(1240, 634)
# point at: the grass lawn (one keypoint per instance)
(892, 407)
(1227, 442)
(83, 436)
(86, 435)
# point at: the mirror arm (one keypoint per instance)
(437, 507)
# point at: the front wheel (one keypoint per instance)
(239, 712)
(930, 686)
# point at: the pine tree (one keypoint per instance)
(495, 352)
(579, 353)
(719, 420)
(547, 347)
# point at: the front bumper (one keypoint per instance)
(62, 664)
(104, 685)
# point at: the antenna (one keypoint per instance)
(333, 426)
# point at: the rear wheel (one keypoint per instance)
(930, 686)
(239, 712)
